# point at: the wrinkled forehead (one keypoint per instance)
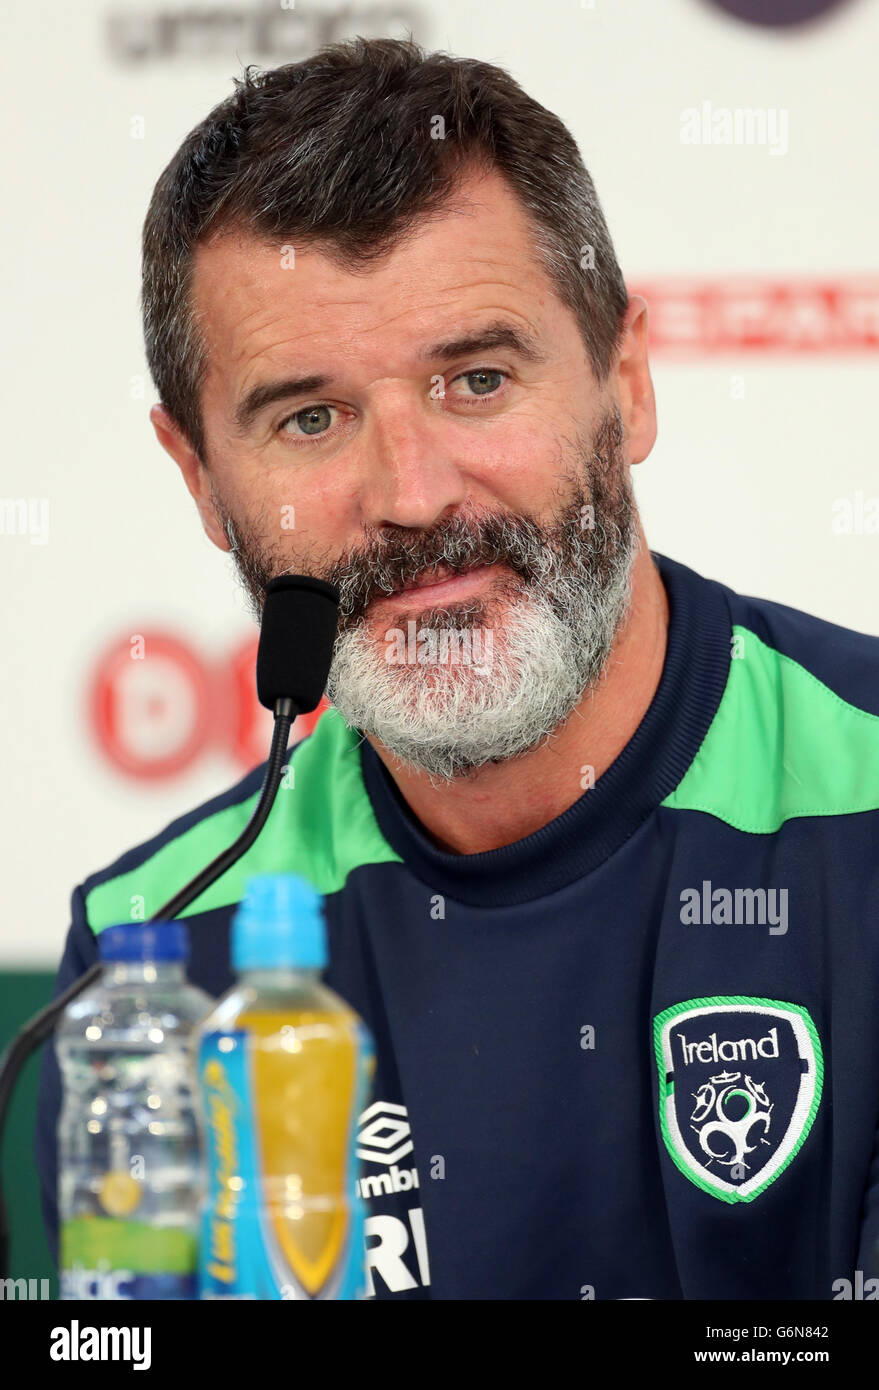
(480, 247)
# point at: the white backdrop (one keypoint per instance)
(754, 448)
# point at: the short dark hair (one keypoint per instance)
(342, 149)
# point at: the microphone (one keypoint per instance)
(297, 635)
(296, 641)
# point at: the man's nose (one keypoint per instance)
(410, 476)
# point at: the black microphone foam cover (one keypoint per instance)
(296, 641)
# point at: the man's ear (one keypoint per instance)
(195, 475)
(634, 384)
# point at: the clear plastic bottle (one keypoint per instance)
(284, 1067)
(130, 1179)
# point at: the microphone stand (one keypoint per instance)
(37, 1029)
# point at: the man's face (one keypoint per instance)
(457, 433)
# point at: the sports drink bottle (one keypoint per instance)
(284, 1067)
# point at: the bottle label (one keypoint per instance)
(241, 1255)
(102, 1258)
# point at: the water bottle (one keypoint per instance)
(130, 1181)
(284, 1067)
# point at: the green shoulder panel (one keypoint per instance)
(781, 745)
(321, 826)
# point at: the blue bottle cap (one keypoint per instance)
(279, 922)
(144, 941)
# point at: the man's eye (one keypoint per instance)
(314, 419)
(483, 381)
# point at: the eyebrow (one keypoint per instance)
(501, 333)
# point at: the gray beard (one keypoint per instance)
(483, 680)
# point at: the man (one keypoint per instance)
(597, 835)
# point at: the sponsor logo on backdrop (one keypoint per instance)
(155, 705)
(778, 14)
(739, 1086)
(696, 317)
(280, 32)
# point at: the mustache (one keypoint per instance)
(390, 562)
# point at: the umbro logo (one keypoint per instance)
(383, 1136)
